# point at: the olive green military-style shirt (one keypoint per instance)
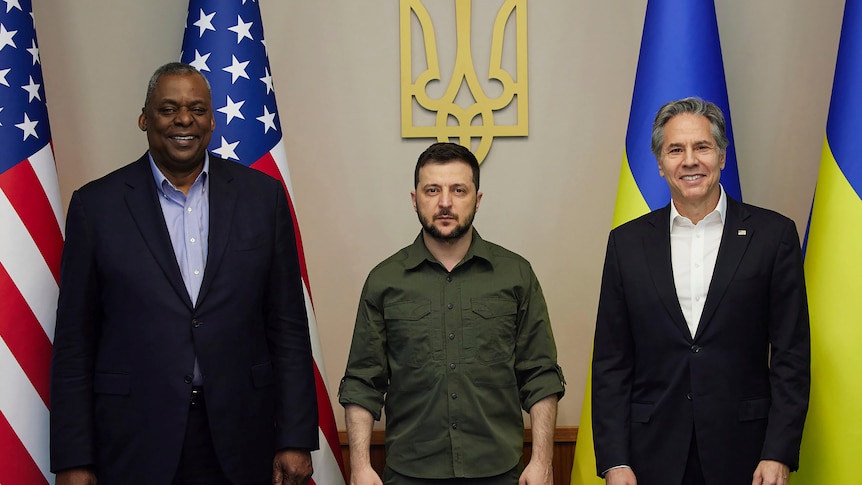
(454, 356)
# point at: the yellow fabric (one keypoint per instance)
(832, 439)
(630, 205)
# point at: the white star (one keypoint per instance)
(3, 73)
(205, 22)
(267, 80)
(33, 89)
(232, 110)
(268, 120)
(227, 150)
(236, 69)
(28, 126)
(200, 62)
(12, 3)
(241, 29)
(1, 109)
(34, 51)
(6, 37)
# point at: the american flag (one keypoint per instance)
(224, 40)
(31, 241)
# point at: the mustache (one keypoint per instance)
(444, 212)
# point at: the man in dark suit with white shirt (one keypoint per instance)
(702, 353)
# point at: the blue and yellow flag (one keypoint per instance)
(680, 56)
(832, 440)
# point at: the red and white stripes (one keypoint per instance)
(31, 242)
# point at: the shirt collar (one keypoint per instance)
(418, 253)
(720, 208)
(160, 178)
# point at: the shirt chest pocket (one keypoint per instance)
(489, 329)
(409, 332)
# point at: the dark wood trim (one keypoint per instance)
(564, 451)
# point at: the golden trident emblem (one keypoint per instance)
(474, 118)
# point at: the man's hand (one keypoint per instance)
(621, 476)
(770, 472)
(291, 467)
(364, 476)
(76, 476)
(537, 474)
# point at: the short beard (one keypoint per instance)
(457, 233)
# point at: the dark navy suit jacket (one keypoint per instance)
(741, 384)
(127, 333)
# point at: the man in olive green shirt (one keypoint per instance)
(452, 334)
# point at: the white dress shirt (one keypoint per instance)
(693, 250)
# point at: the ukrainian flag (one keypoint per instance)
(832, 439)
(680, 56)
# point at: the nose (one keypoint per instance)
(183, 117)
(445, 199)
(690, 157)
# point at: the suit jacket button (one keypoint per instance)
(188, 379)
(196, 323)
(695, 349)
(688, 396)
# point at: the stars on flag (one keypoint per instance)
(242, 29)
(231, 109)
(205, 22)
(28, 126)
(32, 90)
(23, 114)
(236, 69)
(34, 51)
(227, 150)
(228, 47)
(6, 37)
(10, 4)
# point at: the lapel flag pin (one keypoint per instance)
(740, 232)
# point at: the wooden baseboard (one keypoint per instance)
(564, 451)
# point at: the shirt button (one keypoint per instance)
(197, 272)
(192, 240)
(454, 396)
(189, 209)
(452, 365)
(695, 349)
(454, 425)
(451, 336)
(450, 306)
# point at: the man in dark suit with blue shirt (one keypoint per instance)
(182, 352)
(701, 360)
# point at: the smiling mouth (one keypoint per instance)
(183, 137)
(690, 178)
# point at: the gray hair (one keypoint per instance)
(695, 106)
(174, 68)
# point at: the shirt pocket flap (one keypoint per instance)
(407, 310)
(109, 383)
(752, 409)
(494, 307)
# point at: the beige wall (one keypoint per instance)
(549, 196)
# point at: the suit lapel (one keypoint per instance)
(143, 204)
(657, 253)
(734, 241)
(222, 200)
